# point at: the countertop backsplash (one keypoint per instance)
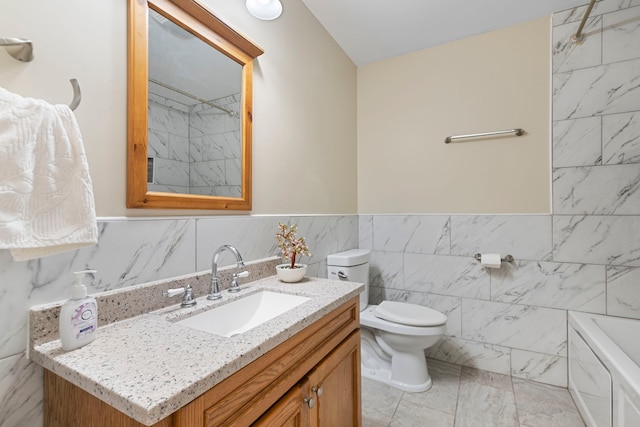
(121, 304)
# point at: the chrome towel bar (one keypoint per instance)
(517, 132)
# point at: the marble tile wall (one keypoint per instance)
(169, 144)
(196, 149)
(215, 149)
(596, 147)
(584, 256)
(510, 320)
(133, 251)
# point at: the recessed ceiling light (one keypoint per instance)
(266, 10)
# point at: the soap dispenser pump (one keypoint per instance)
(78, 316)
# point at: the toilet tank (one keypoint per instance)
(352, 266)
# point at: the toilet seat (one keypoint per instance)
(368, 318)
(409, 314)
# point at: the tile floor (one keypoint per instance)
(467, 397)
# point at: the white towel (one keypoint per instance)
(46, 196)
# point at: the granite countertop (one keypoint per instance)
(148, 367)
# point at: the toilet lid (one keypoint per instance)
(409, 314)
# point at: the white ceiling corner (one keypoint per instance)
(373, 30)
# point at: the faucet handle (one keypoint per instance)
(188, 300)
(234, 280)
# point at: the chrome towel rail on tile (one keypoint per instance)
(517, 132)
(507, 258)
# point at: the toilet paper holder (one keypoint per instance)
(507, 258)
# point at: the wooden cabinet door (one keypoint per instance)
(335, 382)
(290, 411)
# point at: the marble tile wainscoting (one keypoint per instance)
(510, 321)
(129, 252)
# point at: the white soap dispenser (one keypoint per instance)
(78, 316)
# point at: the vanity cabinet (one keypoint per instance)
(328, 396)
(312, 379)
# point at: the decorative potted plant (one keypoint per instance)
(292, 247)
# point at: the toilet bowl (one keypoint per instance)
(394, 334)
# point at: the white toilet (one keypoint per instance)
(394, 334)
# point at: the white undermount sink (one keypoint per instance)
(243, 314)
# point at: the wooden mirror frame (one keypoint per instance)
(200, 21)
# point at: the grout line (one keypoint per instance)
(455, 411)
(395, 410)
(513, 389)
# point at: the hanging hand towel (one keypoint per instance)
(46, 196)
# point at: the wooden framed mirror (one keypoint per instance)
(189, 108)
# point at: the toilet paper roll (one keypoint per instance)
(490, 260)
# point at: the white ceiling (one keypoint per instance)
(372, 30)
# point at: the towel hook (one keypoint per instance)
(77, 94)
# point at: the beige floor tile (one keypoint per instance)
(443, 395)
(485, 406)
(411, 415)
(541, 405)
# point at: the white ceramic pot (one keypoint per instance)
(291, 275)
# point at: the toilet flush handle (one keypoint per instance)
(341, 275)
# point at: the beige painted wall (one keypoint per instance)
(304, 99)
(407, 105)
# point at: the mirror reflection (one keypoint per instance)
(194, 114)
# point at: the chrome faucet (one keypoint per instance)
(215, 289)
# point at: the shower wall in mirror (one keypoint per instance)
(194, 111)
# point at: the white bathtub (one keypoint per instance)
(604, 369)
